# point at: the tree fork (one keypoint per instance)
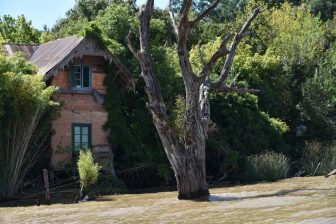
(187, 156)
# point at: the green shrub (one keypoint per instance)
(88, 170)
(318, 159)
(270, 166)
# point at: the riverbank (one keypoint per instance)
(295, 200)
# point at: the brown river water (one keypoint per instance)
(295, 200)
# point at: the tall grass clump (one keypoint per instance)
(318, 158)
(88, 170)
(26, 112)
(269, 166)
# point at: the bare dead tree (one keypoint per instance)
(186, 157)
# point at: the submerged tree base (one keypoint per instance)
(295, 200)
(194, 195)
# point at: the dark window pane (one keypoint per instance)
(77, 146)
(86, 76)
(77, 68)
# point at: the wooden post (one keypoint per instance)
(46, 184)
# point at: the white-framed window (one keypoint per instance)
(80, 76)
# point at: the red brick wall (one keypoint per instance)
(98, 75)
(79, 108)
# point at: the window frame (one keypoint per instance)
(81, 125)
(73, 80)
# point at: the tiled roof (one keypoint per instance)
(26, 49)
(53, 56)
(47, 55)
(50, 54)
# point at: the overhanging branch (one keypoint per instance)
(144, 57)
(172, 17)
(235, 90)
(232, 52)
(130, 46)
(221, 52)
(127, 77)
(205, 13)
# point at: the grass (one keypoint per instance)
(318, 158)
(269, 166)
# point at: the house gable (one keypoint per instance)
(54, 56)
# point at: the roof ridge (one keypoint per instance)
(44, 42)
(21, 44)
(63, 38)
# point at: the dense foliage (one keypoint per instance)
(289, 54)
(18, 31)
(26, 110)
(279, 56)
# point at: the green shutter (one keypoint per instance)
(90, 136)
(72, 76)
(86, 76)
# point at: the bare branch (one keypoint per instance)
(184, 26)
(205, 13)
(144, 57)
(186, 5)
(234, 80)
(145, 16)
(235, 90)
(232, 52)
(221, 52)
(127, 77)
(184, 31)
(130, 46)
(172, 17)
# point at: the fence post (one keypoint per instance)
(46, 184)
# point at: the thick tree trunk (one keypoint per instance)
(190, 174)
(187, 154)
(188, 163)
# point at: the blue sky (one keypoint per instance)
(42, 12)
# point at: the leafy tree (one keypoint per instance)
(325, 8)
(26, 110)
(240, 129)
(83, 12)
(319, 102)
(226, 11)
(18, 31)
(294, 43)
(46, 35)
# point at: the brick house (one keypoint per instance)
(76, 65)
